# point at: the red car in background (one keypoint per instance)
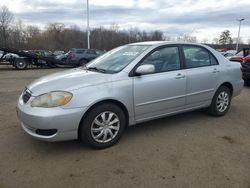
(238, 57)
(245, 67)
(246, 59)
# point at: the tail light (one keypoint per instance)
(243, 60)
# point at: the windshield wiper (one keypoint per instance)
(96, 69)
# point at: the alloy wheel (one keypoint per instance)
(222, 101)
(105, 127)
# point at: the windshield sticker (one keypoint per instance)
(130, 53)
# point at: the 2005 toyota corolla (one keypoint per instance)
(130, 84)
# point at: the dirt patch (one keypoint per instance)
(229, 139)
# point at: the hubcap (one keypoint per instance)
(21, 64)
(222, 101)
(105, 127)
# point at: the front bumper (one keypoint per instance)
(34, 120)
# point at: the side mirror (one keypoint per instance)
(145, 69)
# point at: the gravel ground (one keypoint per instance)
(187, 150)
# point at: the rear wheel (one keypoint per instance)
(103, 126)
(21, 64)
(221, 102)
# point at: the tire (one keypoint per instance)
(221, 102)
(21, 64)
(247, 82)
(83, 62)
(93, 129)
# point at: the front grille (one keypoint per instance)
(26, 96)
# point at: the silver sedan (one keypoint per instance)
(128, 85)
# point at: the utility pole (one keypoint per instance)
(238, 39)
(88, 31)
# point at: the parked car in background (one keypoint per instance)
(58, 52)
(62, 57)
(238, 57)
(230, 53)
(128, 85)
(81, 56)
(245, 67)
(10, 55)
(246, 59)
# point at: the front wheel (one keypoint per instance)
(221, 102)
(102, 126)
(83, 62)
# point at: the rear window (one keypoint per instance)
(91, 52)
(196, 56)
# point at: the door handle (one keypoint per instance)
(179, 76)
(215, 70)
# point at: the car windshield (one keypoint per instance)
(116, 60)
(228, 54)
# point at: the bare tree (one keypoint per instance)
(6, 18)
(225, 38)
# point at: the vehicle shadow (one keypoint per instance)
(166, 123)
(133, 131)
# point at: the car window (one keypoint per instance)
(80, 51)
(164, 59)
(213, 60)
(99, 52)
(91, 52)
(239, 54)
(228, 54)
(196, 56)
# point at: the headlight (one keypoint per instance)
(52, 99)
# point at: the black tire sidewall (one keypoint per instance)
(21, 61)
(213, 108)
(82, 62)
(85, 126)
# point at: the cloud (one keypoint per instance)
(172, 17)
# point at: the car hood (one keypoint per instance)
(67, 81)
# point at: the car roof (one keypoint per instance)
(156, 43)
(78, 49)
(85, 49)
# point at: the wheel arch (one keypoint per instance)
(85, 59)
(113, 101)
(229, 86)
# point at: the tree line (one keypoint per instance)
(56, 36)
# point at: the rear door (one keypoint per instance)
(91, 54)
(202, 71)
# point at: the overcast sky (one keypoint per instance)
(204, 19)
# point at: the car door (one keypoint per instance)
(163, 91)
(201, 73)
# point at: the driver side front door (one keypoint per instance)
(164, 91)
